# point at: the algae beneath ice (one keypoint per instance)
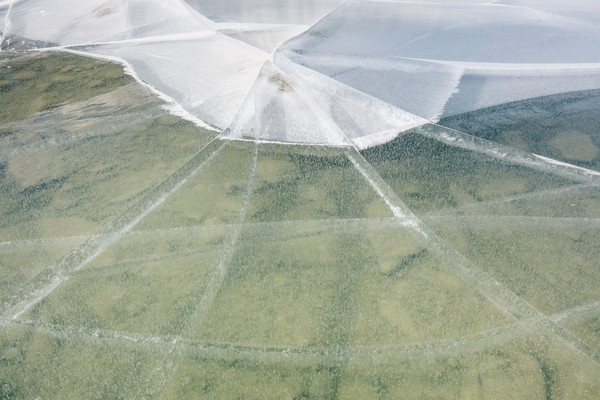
(68, 171)
(274, 271)
(565, 126)
(32, 84)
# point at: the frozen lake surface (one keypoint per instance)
(299, 199)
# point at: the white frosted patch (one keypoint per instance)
(262, 36)
(5, 8)
(69, 22)
(452, 32)
(421, 88)
(489, 87)
(208, 76)
(265, 11)
(365, 120)
(581, 10)
(169, 46)
(586, 6)
(424, 59)
(276, 109)
(439, 59)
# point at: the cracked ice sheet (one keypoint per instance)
(439, 32)
(346, 254)
(302, 106)
(265, 37)
(55, 361)
(207, 76)
(516, 368)
(277, 109)
(582, 10)
(529, 363)
(364, 120)
(484, 369)
(583, 322)
(148, 283)
(214, 196)
(168, 45)
(362, 283)
(265, 23)
(534, 125)
(69, 22)
(552, 263)
(504, 42)
(429, 174)
(531, 230)
(72, 169)
(575, 6)
(303, 12)
(71, 176)
(20, 261)
(310, 183)
(3, 11)
(143, 261)
(417, 87)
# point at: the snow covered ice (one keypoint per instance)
(299, 199)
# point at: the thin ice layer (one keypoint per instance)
(575, 6)
(529, 362)
(148, 283)
(516, 363)
(265, 11)
(72, 169)
(304, 106)
(90, 164)
(493, 54)
(583, 322)
(277, 109)
(530, 229)
(414, 86)
(23, 259)
(68, 22)
(429, 174)
(452, 32)
(364, 120)
(222, 71)
(262, 36)
(562, 127)
(212, 196)
(334, 284)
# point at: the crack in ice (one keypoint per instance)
(310, 355)
(466, 141)
(56, 274)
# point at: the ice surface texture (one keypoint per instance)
(437, 60)
(323, 239)
(427, 59)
